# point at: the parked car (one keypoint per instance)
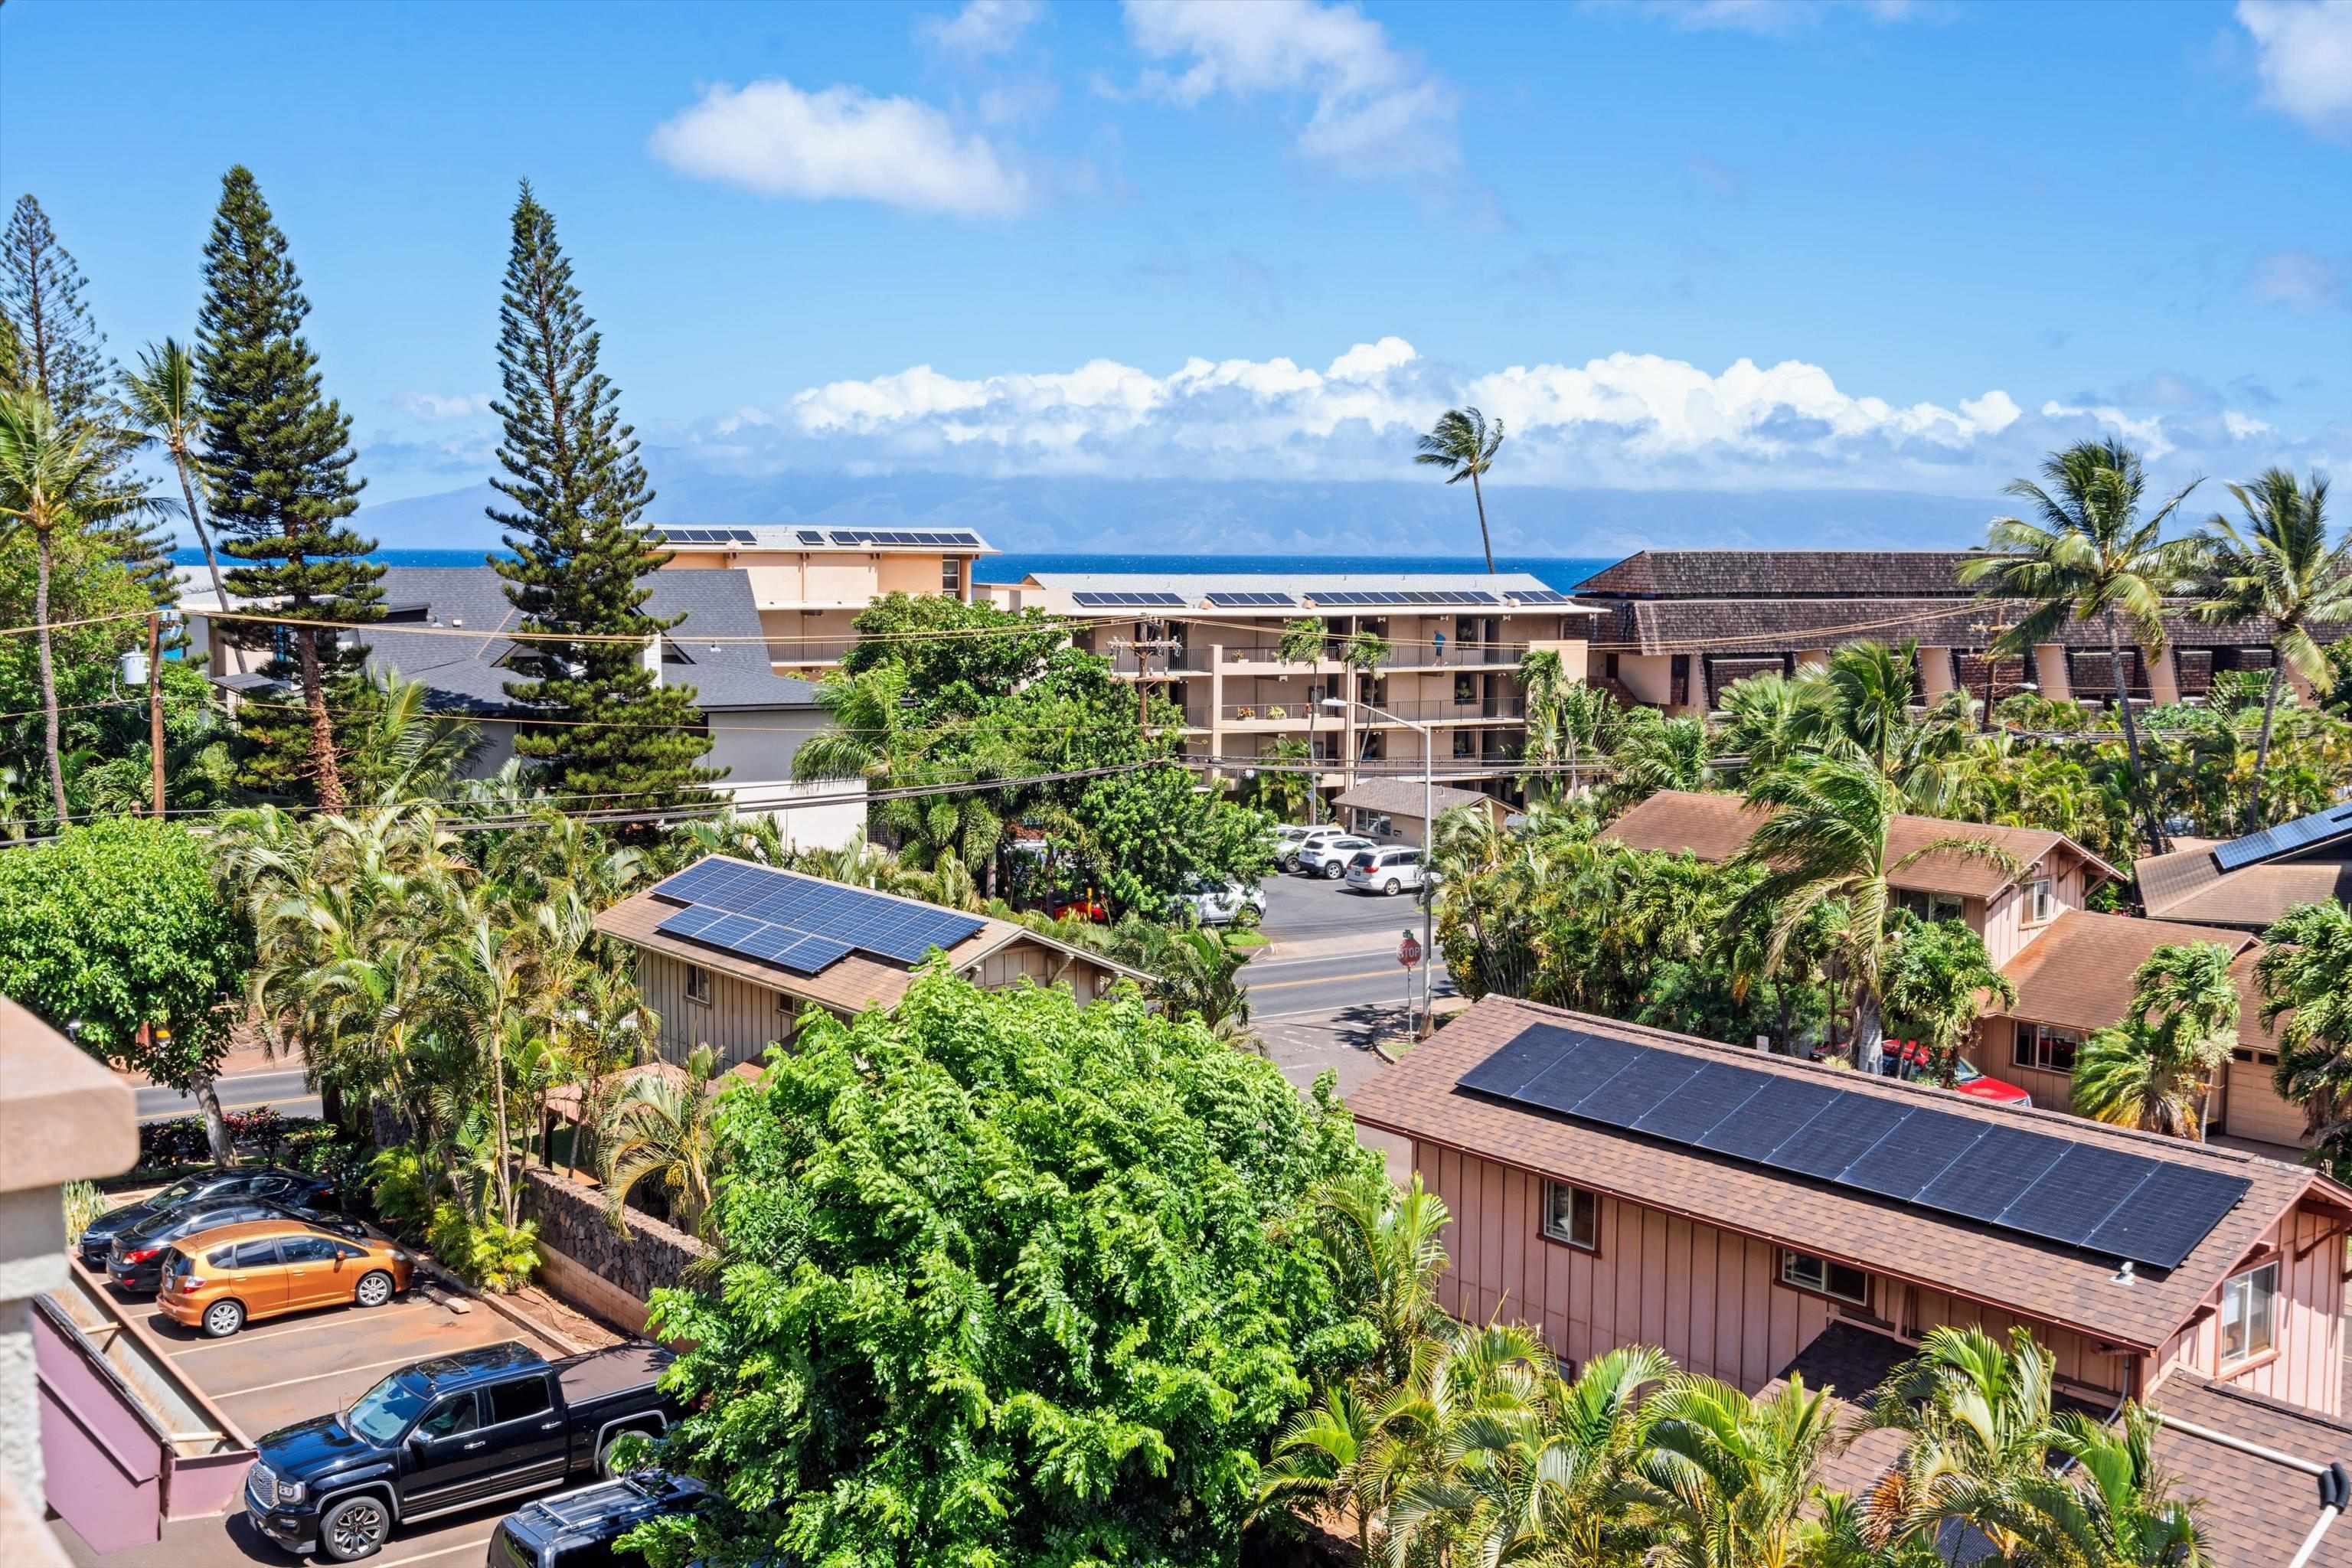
(134, 1261)
(450, 1434)
(1328, 859)
(219, 1281)
(1076, 907)
(1909, 1061)
(1293, 857)
(1216, 903)
(1385, 871)
(273, 1183)
(577, 1529)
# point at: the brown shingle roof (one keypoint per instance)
(1715, 827)
(1766, 573)
(2185, 886)
(1417, 1098)
(1719, 625)
(2256, 1511)
(2078, 974)
(1401, 797)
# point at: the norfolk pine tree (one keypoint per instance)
(615, 736)
(280, 463)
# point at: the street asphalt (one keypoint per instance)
(279, 1087)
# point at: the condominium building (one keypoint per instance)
(1448, 667)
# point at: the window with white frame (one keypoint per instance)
(2046, 1047)
(2041, 900)
(1571, 1215)
(951, 576)
(1806, 1272)
(698, 983)
(2250, 1313)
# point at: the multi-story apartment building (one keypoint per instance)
(1211, 643)
(809, 581)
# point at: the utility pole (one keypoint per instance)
(1992, 633)
(1143, 648)
(155, 702)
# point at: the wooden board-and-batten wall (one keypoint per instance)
(738, 1022)
(1712, 1298)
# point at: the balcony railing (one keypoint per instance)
(793, 650)
(1178, 661)
(1424, 711)
(1448, 655)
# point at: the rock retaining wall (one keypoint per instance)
(592, 1265)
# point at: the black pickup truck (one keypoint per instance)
(449, 1433)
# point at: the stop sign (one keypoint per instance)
(1408, 950)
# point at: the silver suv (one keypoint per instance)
(1384, 872)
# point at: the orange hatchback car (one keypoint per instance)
(218, 1280)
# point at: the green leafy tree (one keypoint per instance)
(2087, 554)
(946, 646)
(1010, 1280)
(2154, 1068)
(1463, 443)
(114, 934)
(1734, 1481)
(1938, 978)
(2283, 569)
(1195, 975)
(2306, 977)
(1284, 787)
(1978, 1424)
(613, 732)
(279, 460)
(2112, 1506)
(663, 1131)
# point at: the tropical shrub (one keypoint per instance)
(83, 1203)
(486, 1253)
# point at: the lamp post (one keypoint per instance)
(1428, 833)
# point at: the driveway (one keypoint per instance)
(313, 1363)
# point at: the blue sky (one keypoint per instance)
(1720, 246)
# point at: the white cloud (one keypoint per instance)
(840, 144)
(2299, 281)
(1770, 16)
(1634, 420)
(1377, 111)
(433, 406)
(2303, 49)
(984, 27)
(2243, 426)
(2146, 434)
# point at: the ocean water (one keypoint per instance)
(1558, 572)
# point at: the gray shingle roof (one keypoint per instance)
(1402, 797)
(465, 672)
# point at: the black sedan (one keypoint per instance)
(265, 1184)
(135, 1260)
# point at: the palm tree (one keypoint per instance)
(664, 1129)
(1732, 1481)
(1826, 839)
(1384, 1247)
(2306, 977)
(2112, 1507)
(1464, 442)
(2088, 555)
(1768, 719)
(1306, 641)
(1978, 1421)
(2153, 1070)
(2281, 569)
(1195, 974)
(49, 485)
(1653, 752)
(160, 400)
(402, 748)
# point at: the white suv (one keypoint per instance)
(1385, 871)
(1328, 859)
(1216, 903)
(1291, 853)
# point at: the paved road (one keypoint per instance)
(281, 1087)
(1302, 908)
(1331, 984)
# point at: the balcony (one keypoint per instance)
(1169, 661)
(1454, 656)
(784, 653)
(1287, 716)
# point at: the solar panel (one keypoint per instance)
(2284, 839)
(1465, 597)
(804, 924)
(811, 536)
(1104, 600)
(1253, 600)
(742, 536)
(1540, 597)
(2040, 1185)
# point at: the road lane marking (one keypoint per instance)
(1389, 973)
(320, 1376)
(338, 1321)
(442, 1551)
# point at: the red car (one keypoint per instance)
(1907, 1059)
(1075, 908)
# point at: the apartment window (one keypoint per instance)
(1465, 688)
(2041, 900)
(698, 983)
(2047, 1047)
(1571, 1215)
(950, 577)
(2250, 1313)
(1822, 1276)
(1466, 744)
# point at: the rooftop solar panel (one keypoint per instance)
(2285, 838)
(2042, 1185)
(1106, 600)
(1540, 597)
(1251, 599)
(811, 536)
(801, 922)
(1431, 598)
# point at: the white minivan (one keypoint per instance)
(1384, 872)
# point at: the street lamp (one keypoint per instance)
(1428, 834)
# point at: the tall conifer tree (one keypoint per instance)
(280, 463)
(50, 343)
(615, 736)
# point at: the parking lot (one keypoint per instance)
(288, 1368)
(1301, 908)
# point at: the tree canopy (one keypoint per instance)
(1007, 1281)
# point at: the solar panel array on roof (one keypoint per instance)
(2104, 1200)
(1252, 599)
(2286, 838)
(802, 924)
(1407, 597)
(709, 536)
(904, 536)
(809, 535)
(1126, 601)
(1540, 597)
